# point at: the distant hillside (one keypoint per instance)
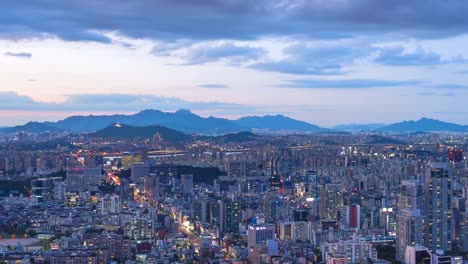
(33, 128)
(424, 124)
(237, 137)
(277, 122)
(125, 131)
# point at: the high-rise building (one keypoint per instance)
(186, 181)
(411, 195)
(231, 215)
(139, 171)
(139, 228)
(259, 234)
(294, 231)
(82, 178)
(274, 208)
(353, 216)
(152, 187)
(75, 179)
(438, 185)
(201, 210)
(409, 231)
(331, 198)
(417, 255)
(464, 231)
(110, 204)
(92, 176)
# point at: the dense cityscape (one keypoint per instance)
(233, 132)
(321, 197)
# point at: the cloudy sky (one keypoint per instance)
(323, 61)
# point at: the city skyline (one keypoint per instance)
(325, 63)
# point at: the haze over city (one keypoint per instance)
(324, 62)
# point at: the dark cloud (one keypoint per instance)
(22, 55)
(212, 85)
(345, 84)
(108, 102)
(327, 59)
(227, 19)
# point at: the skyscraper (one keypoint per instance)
(152, 186)
(231, 214)
(409, 231)
(353, 216)
(438, 186)
(411, 195)
(186, 180)
(331, 198)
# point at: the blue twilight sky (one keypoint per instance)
(322, 61)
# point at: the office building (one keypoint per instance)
(186, 182)
(139, 171)
(409, 232)
(331, 198)
(110, 204)
(417, 255)
(152, 187)
(353, 216)
(259, 234)
(439, 207)
(411, 195)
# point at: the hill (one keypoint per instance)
(424, 124)
(32, 128)
(127, 132)
(239, 137)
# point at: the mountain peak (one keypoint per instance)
(183, 112)
(424, 124)
(427, 119)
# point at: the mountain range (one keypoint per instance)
(181, 120)
(188, 122)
